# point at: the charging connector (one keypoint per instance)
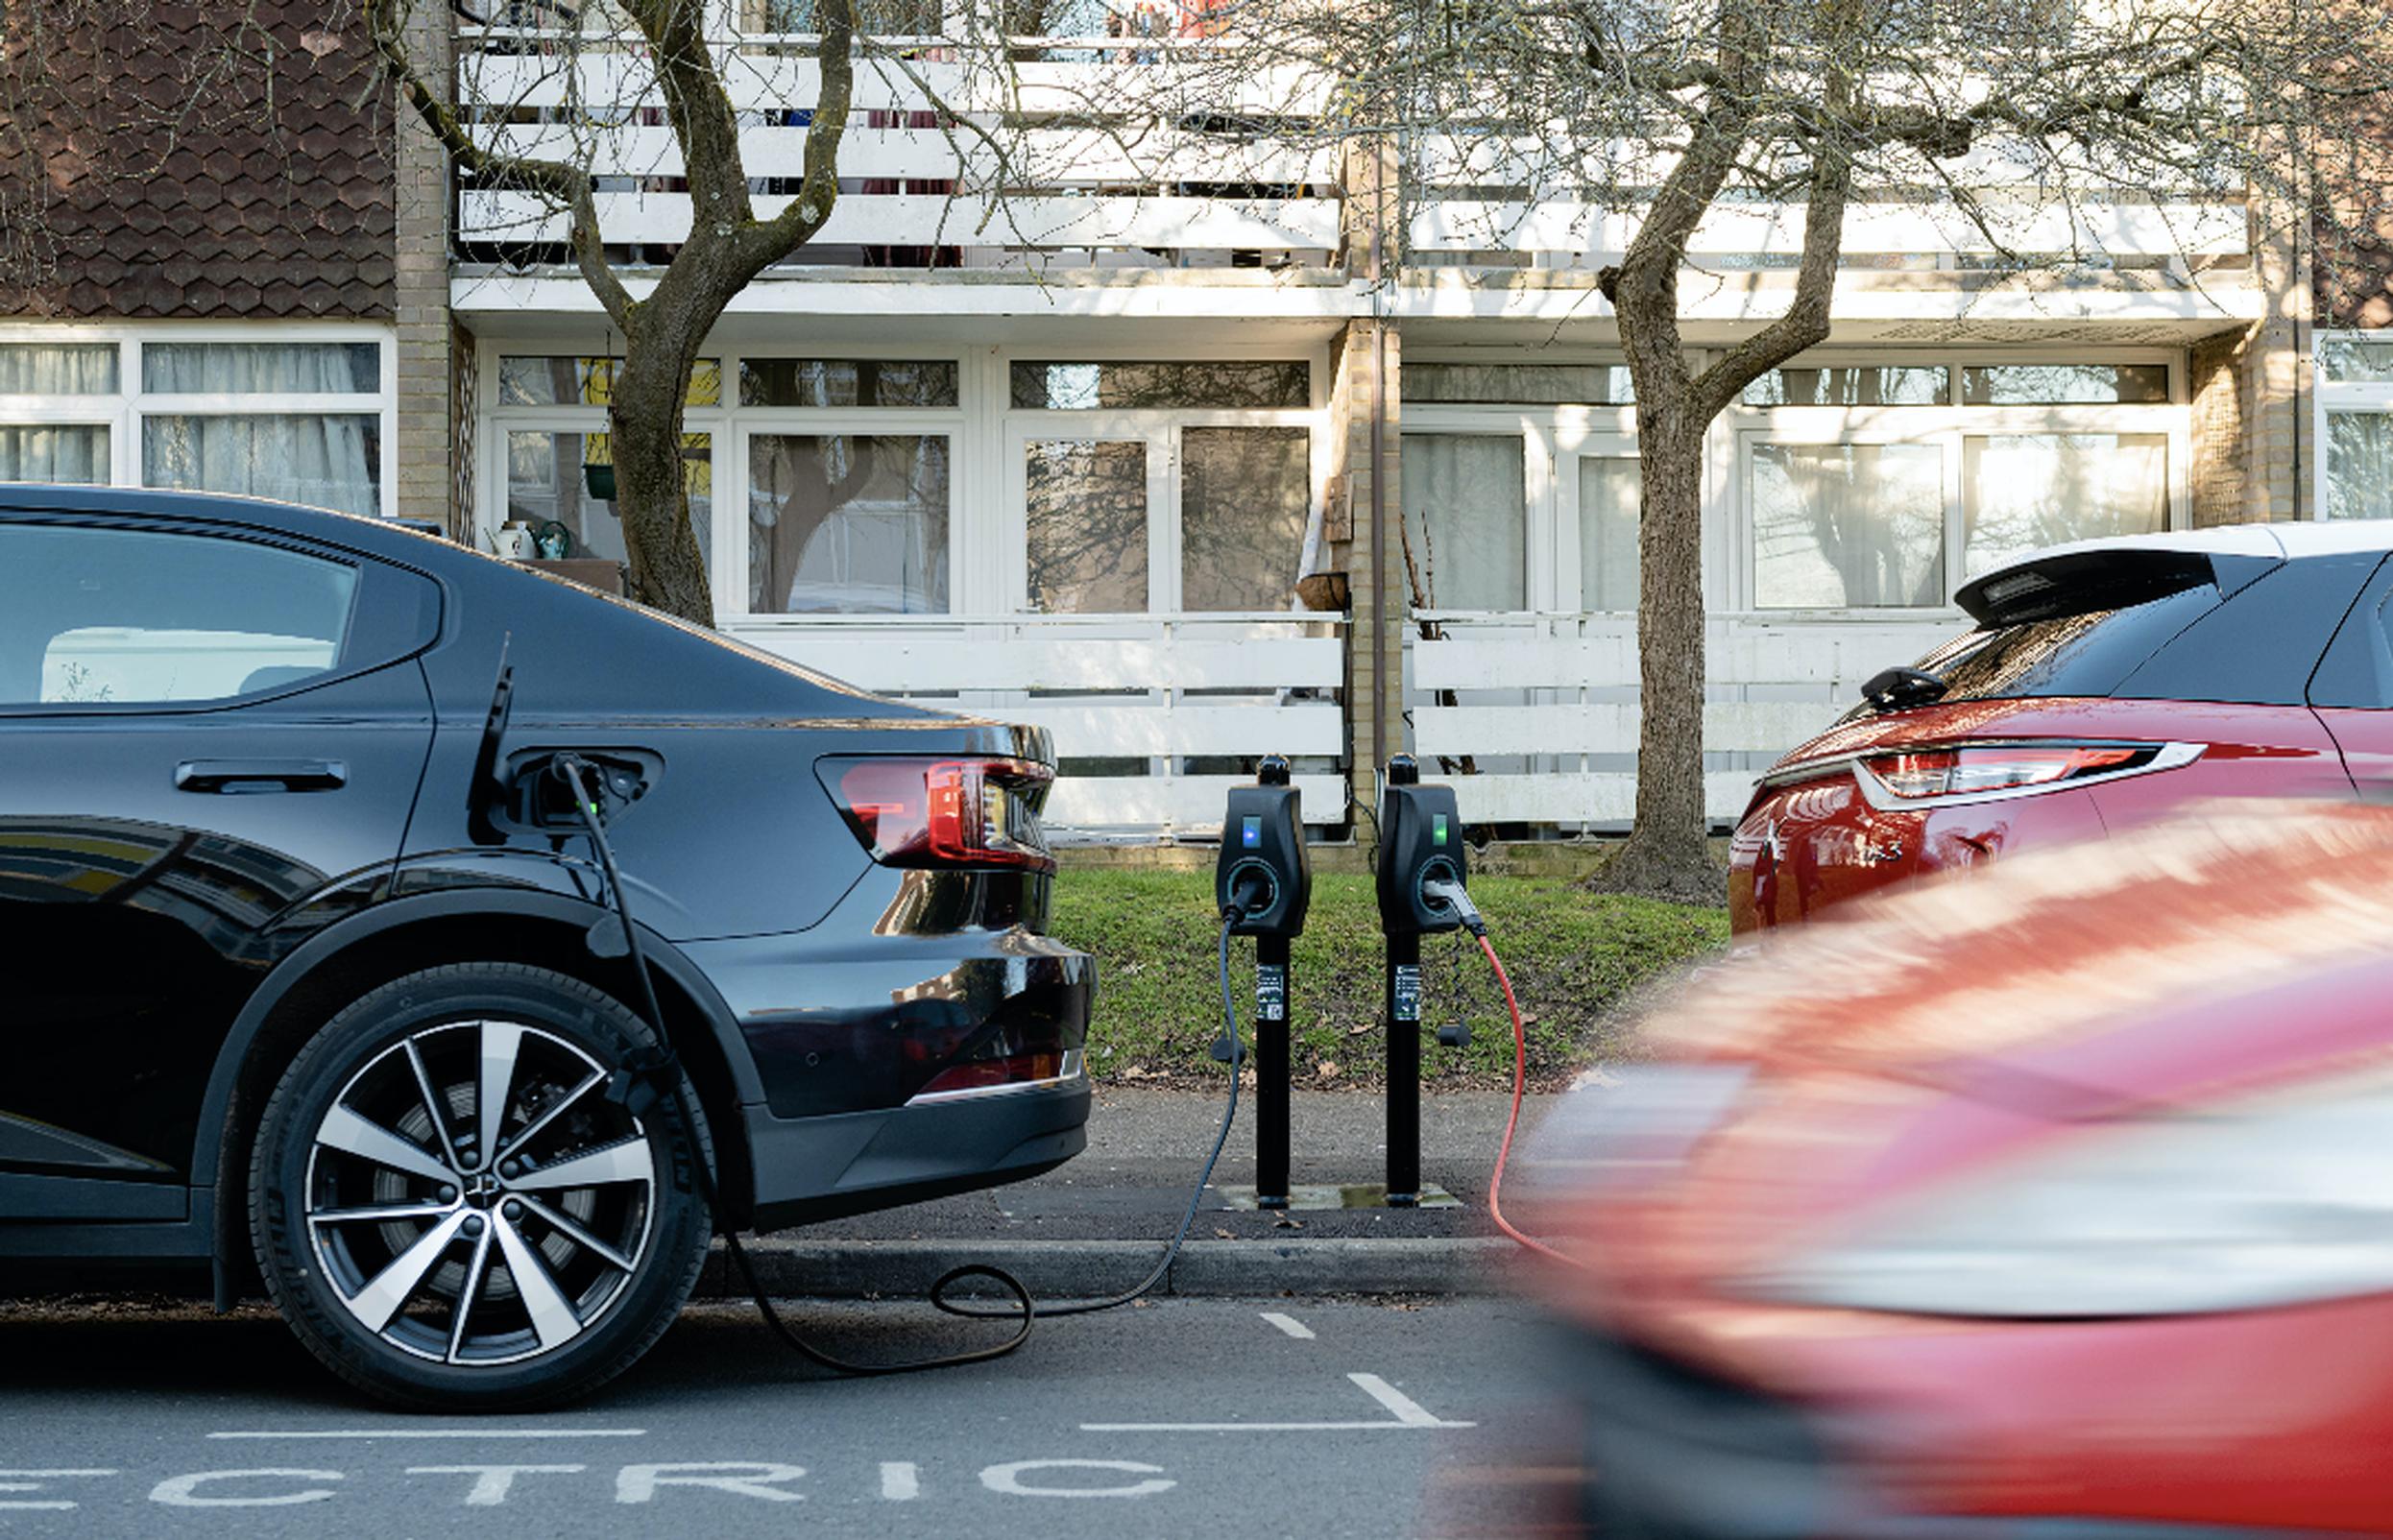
(1438, 890)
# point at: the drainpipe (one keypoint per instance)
(1379, 456)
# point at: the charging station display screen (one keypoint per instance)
(1250, 832)
(1437, 829)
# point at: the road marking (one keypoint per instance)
(437, 1432)
(901, 1481)
(756, 1479)
(1007, 1479)
(1409, 1413)
(1291, 1325)
(492, 1482)
(183, 1491)
(32, 1482)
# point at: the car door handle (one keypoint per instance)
(238, 776)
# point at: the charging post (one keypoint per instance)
(1421, 843)
(1263, 884)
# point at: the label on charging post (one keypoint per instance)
(1271, 992)
(1408, 992)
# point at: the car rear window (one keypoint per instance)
(2256, 646)
(2088, 654)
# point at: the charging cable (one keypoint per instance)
(661, 1066)
(1456, 895)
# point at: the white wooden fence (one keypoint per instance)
(1563, 689)
(1155, 689)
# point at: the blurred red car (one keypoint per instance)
(2105, 682)
(2053, 1202)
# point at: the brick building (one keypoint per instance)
(1069, 464)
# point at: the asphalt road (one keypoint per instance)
(1340, 1416)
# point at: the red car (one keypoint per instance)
(2055, 1202)
(2105, 682)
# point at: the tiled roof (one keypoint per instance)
(192, 173)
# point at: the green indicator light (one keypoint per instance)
(1437, 829)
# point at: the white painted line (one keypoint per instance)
(1410, 1414)
(1409, 1411)
(436, 1433)
(1258, 1427)
(901, 1481)
(1291, 1325)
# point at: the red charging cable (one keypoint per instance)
(1520, 1080)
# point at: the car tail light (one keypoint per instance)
(945, 812)
(1013, 1070)
(1928, 775)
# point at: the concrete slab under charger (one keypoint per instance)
(1305, 1196)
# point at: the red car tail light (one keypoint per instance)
(945, 812)
(2012, 769)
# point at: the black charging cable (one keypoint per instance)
(661, 1068)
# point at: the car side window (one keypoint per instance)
(102, 616)
(2356, 672)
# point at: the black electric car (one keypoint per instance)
(309, 975)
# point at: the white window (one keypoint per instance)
(555, 457)
(298, 414)
(2354, 373)
(1886, 484)
(1173, 487)
(1520, 484)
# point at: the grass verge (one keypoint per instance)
(1573, 955)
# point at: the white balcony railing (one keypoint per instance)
(1099, 147)
(1141, 694)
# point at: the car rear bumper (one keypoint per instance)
(811, 1169)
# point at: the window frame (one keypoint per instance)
(1554, 438)
(126, 411)
(823, 421)
(1161, 428)
(1945, 426)
(2330, 398)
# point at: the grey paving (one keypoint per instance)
(707, 1436)
(1145, 1147)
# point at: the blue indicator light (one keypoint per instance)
(1251, 835)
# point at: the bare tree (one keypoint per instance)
(2008, 120)
(728, 245)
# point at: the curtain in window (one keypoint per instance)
(330, 461)
(1467, 514)
(1611, 490)
(1848, 525)
(74, 453)
(2360, 465)
(2021, 491)
(58, 369)
(261, 369)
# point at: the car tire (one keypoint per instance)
(449, 1260)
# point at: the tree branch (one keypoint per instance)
(568, 185)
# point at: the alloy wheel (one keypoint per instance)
(473, 1199)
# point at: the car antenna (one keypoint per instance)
(485, 789)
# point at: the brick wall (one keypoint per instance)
(434, 476)
(1368, 366)
(196, 162)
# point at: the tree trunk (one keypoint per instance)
(651, 485)
(1669, 855)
